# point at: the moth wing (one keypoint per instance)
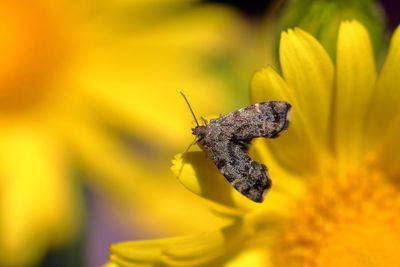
(266, 119)
(246, 175)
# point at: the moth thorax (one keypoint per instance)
(199, 131)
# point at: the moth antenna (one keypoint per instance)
(191, 110)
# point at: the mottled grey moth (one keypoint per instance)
(228, 138)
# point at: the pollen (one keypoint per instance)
(349, 221)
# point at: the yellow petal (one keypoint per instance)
(288, 149)
(254, 257)
(287, 187)
(384, 116)
(355, 80)
(180, 251)
(38, 205)
(308, 71)
(266, 84)
(384, 105)
(229, 246)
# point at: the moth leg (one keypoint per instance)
(204, 120)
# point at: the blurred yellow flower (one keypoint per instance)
(76, 81)
(335, 195)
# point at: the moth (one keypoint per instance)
(228, 138)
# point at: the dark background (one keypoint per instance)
(255, 9)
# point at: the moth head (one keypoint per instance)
(199, 131)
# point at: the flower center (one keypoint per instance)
(31, 49)
(345, 222)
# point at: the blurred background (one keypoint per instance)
(91, 115)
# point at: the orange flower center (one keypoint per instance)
(345, 222)
(32, 49)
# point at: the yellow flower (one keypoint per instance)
(335, 196)
(74, 74)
